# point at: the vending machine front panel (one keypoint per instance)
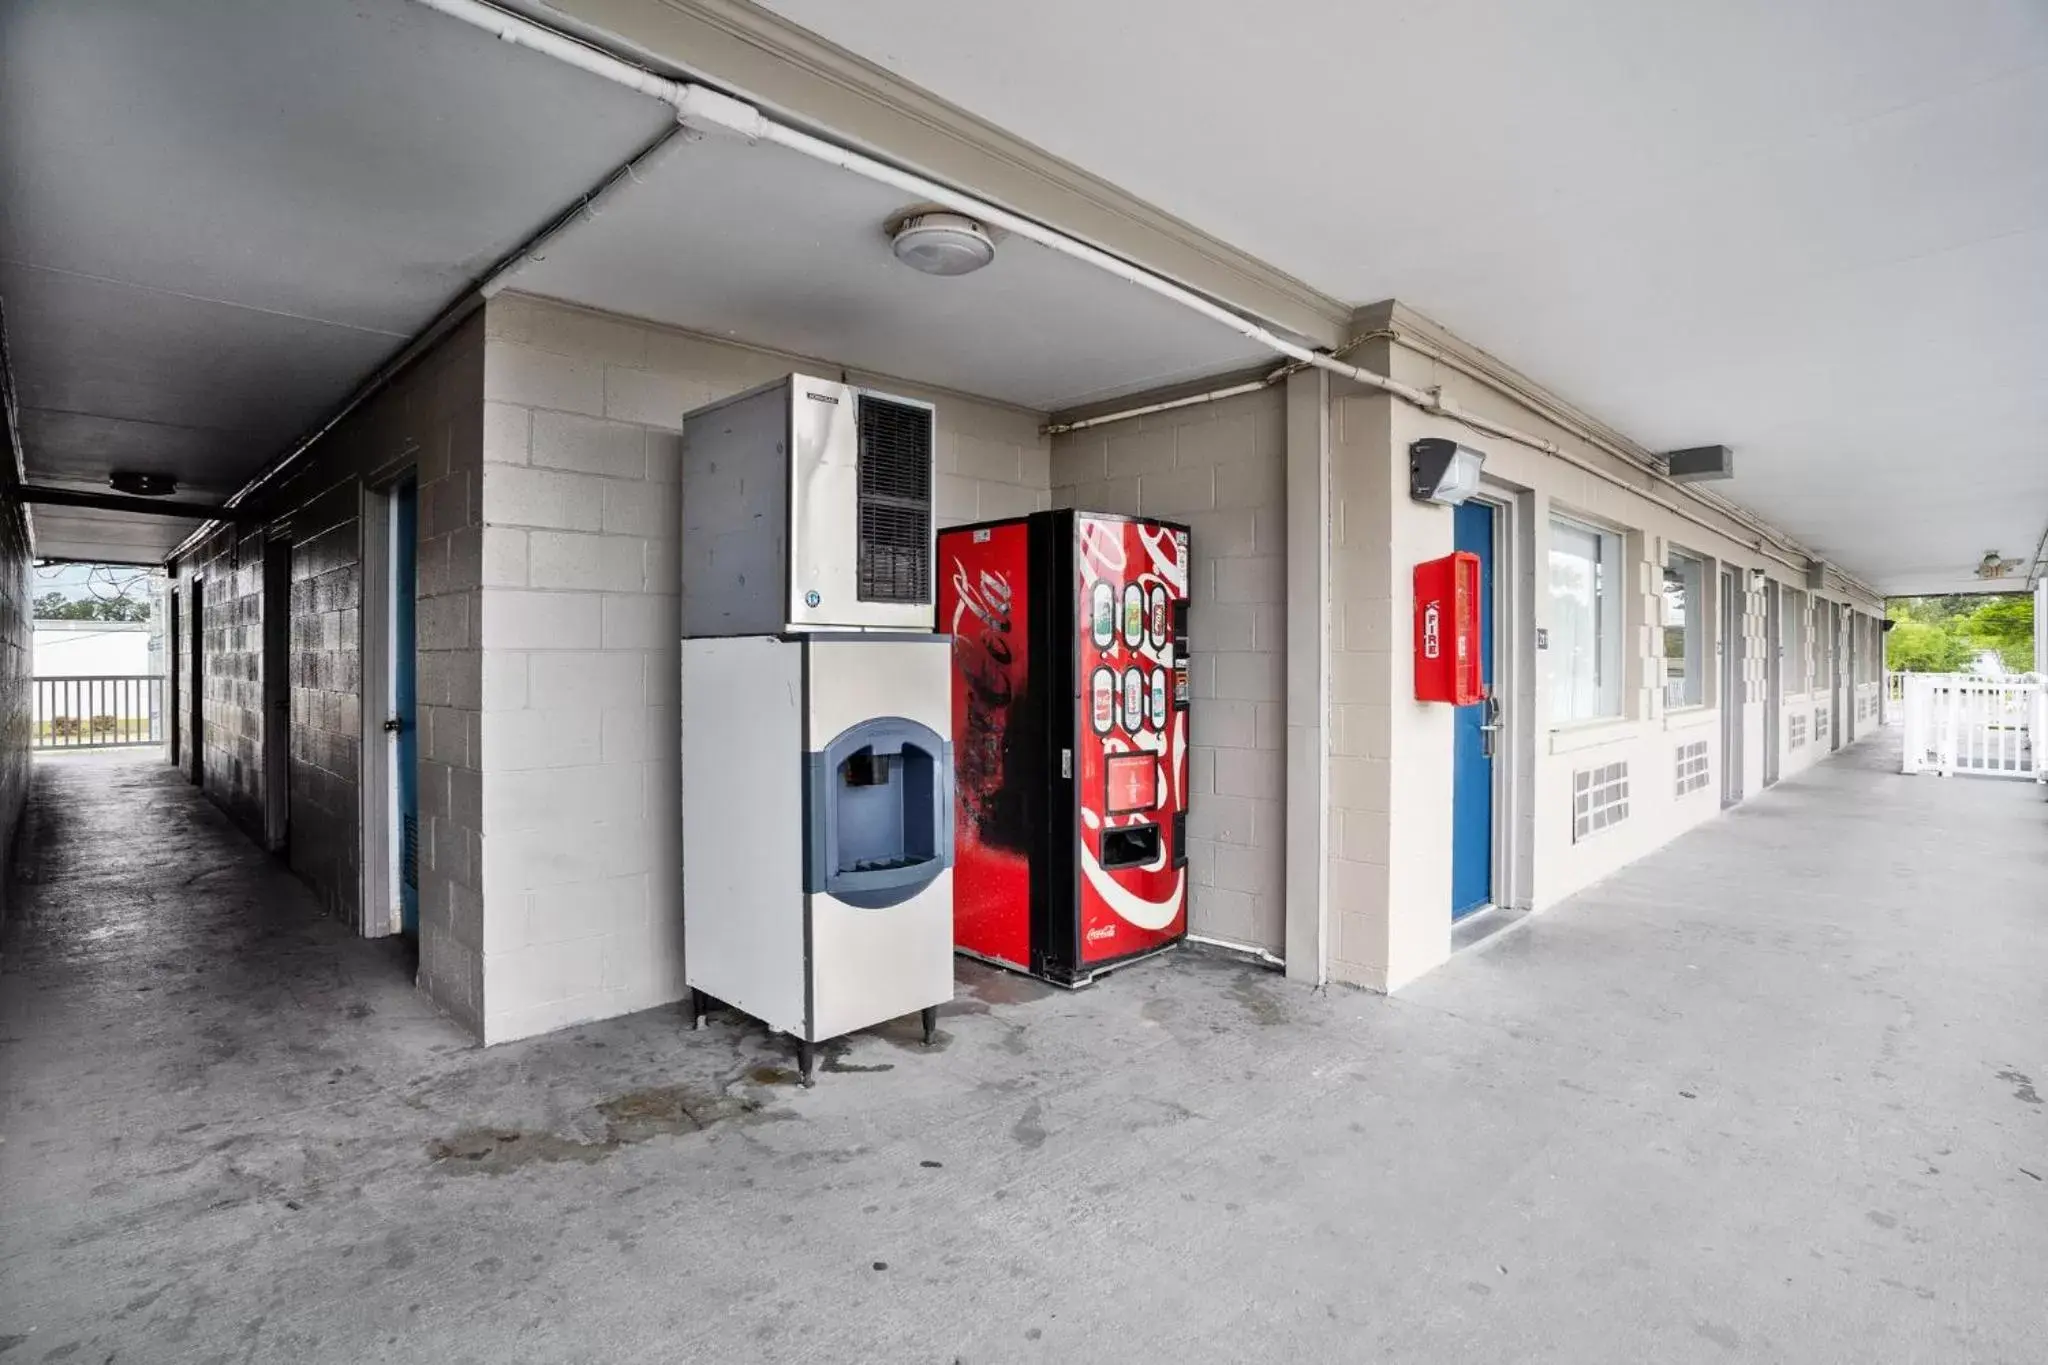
(1130, 578)
(985, 604)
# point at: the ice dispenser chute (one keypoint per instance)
(880, 802)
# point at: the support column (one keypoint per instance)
(1308, 676)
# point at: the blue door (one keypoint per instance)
(1472, 761)
(404, 702)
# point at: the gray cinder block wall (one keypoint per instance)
(1221, 468)
(17, 669)
(428, 424)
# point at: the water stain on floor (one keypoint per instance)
(630, 1118)
(993, 986)
(2023, 1085)
(1250, 990)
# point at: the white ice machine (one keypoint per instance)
(816, 713)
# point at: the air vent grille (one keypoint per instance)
(1599, 799)
(1795, 730)
(1694, 766)
(895, 501)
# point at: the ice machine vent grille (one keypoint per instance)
(895, 501)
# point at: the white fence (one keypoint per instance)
(1988, 727)
(1895, 698)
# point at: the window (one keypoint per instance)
(1583, 660)
(1798, 677)
(1685, 632)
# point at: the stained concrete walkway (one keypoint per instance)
(1771, 1095)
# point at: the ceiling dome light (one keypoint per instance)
(142, 483)
(942, 244)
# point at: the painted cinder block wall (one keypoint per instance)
(17, 669)
(426, 424)
(581, 781)
(1221, 468)
(1390, 759)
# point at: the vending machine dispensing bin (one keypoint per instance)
(817, 727)
(1070, 726)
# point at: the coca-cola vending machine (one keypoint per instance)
(1070, 724)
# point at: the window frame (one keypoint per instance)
(1610, 626)
(1795, 623)
(1696, 629)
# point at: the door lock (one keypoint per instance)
(1490, 726)
(394, 725)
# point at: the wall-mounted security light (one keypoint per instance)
(1697, 464)
(942, 243)
(1816, 574)
(1442, 471)
(1759, 577)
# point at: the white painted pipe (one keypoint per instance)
(1171, 404)
(1250, 950)
(705, 109)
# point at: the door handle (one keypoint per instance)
(1489, 725)
(394, 725)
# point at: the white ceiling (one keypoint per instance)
(218, 217)
(772, 248)
(1813, 231)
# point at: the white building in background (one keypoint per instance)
(92, 649)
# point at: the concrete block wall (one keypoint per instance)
(1221, 468)
(426, 424)
(230, 566)
(17, 670)
(449, 542)
(578, 629)
(325, 779)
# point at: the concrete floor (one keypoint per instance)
(1770, 1095)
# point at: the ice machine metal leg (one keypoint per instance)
(699, 1004)
(930, 1017)
(806, 1062)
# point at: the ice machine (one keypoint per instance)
(817, 756)
(1070, 725)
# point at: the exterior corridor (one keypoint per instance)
(1771, 1093)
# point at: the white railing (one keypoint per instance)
(1989, 727)
(1895, 698)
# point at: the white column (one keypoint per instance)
(1308, 676)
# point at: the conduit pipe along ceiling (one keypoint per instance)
(703, 110)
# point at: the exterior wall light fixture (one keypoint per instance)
(1442, 471)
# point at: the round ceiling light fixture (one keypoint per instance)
(942, 243)
(142, 483)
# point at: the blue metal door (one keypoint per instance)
(1472, 757)
(404, 702)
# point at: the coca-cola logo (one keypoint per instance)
(1101, 932)
(983, 651)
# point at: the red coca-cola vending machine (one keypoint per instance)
(1070, 738)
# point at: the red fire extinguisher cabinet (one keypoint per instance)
(1447, 623)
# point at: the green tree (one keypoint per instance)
(1921, 647)
(2005, 624)
(1946, 634)
(54, 606)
